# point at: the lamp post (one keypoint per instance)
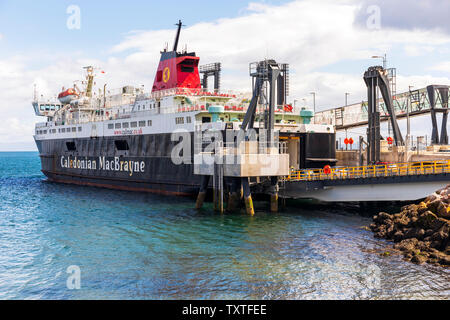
(314, 101)
(384, 60)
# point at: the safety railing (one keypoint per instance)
(373, 171)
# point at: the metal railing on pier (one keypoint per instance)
(372, 171)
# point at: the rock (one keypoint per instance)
(383, 216)
(421, 232)
(431, 198)
(407, 245)
(416, 233)
(402, 221)
(398, 236)
(427, 220)
(445, 260)
(422, 208)
(419, 259)
(441, 235)
(443, 210)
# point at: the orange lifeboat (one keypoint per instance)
(67, 96)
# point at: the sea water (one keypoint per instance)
(129, 245)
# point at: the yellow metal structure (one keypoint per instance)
(374, 171)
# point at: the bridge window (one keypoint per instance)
(187, 69)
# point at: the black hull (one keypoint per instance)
(146, 166)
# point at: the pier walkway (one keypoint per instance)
(373, 171)
(387, 182)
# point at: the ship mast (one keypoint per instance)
(90, 80)
(177, 37)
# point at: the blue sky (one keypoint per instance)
(41, 25)
(328, 44)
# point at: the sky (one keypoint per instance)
(328, 44)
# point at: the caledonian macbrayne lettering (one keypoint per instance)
(103, 163)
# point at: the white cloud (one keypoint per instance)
(306, 34)
(416, 51)
(443, 66)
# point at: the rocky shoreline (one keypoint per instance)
(419, 231)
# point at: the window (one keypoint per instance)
(118, 125)
(110, 126)
(45, 131)
(121, 145)
(179, 120)
(133, 124)
(125, 125)
(63, 130)
(141, 123)
(149, 123)
(79, 129)
(187, 69)
(74, 129)
(71, 146)
(188, 120)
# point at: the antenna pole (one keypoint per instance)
(175, 45)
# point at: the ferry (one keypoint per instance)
(123, 139)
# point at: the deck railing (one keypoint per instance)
(372, 171)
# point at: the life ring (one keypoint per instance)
(327, 169)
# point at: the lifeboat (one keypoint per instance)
(67, 96)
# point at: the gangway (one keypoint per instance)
(389, 182)
(356, 115)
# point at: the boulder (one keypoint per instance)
(419, 259)
(421, 232)
(431, 198)
(383, 216)
(443, 210)
(407, 245)
(427, 220)
(422, 208)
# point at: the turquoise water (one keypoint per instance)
(139, 246)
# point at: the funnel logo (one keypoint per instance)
(166, 74)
